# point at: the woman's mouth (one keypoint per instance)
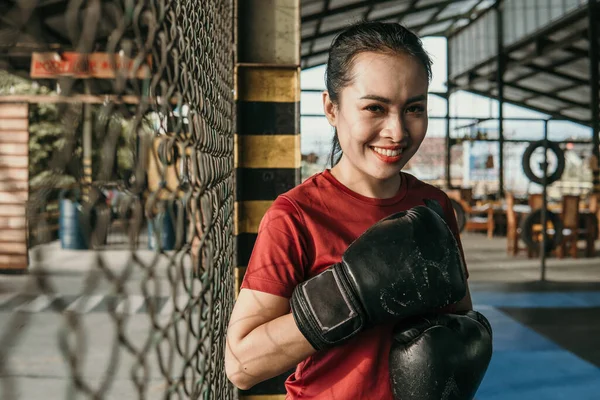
(389, 156)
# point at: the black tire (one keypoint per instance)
(560, 167)
(536, 218)
(459, 211)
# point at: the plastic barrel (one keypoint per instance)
(69, 227)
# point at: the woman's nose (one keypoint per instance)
(395, 129)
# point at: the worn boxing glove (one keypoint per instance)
(406, 264)
(440, 356)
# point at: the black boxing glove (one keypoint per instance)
(406, 264)
(443, 356)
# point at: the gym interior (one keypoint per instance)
(141, 142)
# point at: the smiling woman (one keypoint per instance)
(336, 322)
(380, 119)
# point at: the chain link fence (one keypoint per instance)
(139, 95)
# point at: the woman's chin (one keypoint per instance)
(385, 174)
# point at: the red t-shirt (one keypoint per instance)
(305, 231)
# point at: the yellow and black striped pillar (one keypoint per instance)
(267, 143)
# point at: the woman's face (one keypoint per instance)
(381, 116)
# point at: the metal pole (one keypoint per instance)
(500, 82)
(544, 205)
(448, 146)
(594, 87)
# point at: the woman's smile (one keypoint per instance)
(390, 155)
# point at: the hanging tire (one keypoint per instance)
(560, 157)
(535, 218)
(459, 211)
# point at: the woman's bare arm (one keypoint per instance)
(263, 340)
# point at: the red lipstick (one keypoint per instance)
(388, 159)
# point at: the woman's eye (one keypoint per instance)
(415, 109)
(374, 108)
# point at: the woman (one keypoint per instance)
(376, 99)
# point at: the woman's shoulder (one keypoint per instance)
(306, 192)
(415, 185)
(293, 202)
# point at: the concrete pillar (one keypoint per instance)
(267, 140)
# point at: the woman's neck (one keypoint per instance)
(365, 185)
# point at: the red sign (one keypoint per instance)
(93, 65)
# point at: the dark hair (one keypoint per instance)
(361, 37)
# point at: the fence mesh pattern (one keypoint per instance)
(131, 128)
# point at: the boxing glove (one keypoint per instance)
(440, 356)
(406, 264)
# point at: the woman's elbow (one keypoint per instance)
(237, 377)
(235, 371)
(239, 383)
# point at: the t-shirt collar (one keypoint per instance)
(369, 200)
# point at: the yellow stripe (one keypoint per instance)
(255, 83)
(248, 215)
(267, 151)
(264, 397)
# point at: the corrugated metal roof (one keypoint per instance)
(322, 20)
(547, 70)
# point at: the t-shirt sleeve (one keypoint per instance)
(450, 218)
(278, 259)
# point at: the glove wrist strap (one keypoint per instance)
(325, 309)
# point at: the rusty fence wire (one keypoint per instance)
(131, 114)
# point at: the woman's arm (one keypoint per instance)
(263, 340)
(466, 303)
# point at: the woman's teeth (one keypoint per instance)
(387, 152)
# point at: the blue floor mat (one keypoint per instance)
(528, 366)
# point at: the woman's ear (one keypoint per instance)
(330, 109)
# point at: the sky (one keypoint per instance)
(316, 133)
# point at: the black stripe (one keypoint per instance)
(268, 118)
(107, 304)
(245, 244)
(534, 286)
(13, 271)
(157, 304)
(265, 183)
(274, 385)
(574, 329)
(17, 301)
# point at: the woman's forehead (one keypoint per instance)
(387, 73)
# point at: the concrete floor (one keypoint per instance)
(546, 334)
